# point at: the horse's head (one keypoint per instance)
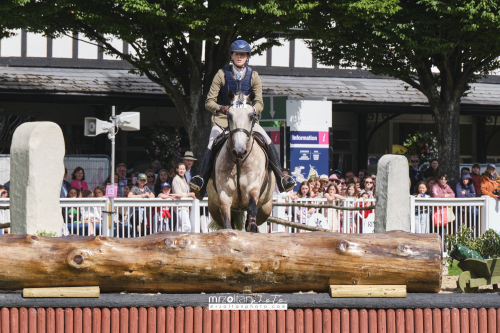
(241, 117)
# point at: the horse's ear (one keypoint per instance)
(230, 95)
(251, 97)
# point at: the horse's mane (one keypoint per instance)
(241, 99)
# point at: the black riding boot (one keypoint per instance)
(284, 185)
(199, 183)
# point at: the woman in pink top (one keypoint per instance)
(441, 189)
(78, 177)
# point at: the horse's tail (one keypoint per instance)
(238, 220)
(213, 226)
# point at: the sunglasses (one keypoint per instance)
(368, 182)
(343, 183)
(414, 161)
(151, 176)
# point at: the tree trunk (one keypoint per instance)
(447, 120)
(223, 261)
(197, 121)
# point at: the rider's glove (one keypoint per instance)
(223, 109)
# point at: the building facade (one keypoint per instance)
(67, 79)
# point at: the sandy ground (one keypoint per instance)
(449, 285)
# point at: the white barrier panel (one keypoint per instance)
(343, 221)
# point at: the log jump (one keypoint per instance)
(223, 261)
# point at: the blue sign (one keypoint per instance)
(309, 154)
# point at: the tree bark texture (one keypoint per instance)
(223, 261)
(447, 120)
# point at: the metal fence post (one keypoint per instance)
(195, 216)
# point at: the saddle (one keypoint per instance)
(219, 142)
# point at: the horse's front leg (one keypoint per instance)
(252, 215)
(225, 210)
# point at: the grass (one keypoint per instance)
(453, 269)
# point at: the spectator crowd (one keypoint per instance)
(349, 188)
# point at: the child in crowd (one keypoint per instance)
(126, 189)
(99, 192)
(302, 213)
(87, 193)
(422, 213)
(352, 191)
(475, 175)
(364, 214)
(430, 181)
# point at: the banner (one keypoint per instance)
(309, 154)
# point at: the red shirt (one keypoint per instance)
(476, 182)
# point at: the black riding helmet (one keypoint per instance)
(240, 46)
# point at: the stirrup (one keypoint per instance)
(195, 187)
(288, 189)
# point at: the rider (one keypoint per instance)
(236, 77)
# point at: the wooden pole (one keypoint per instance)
(298, 204)
(222, 262)
(296, 225)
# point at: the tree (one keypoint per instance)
(9, 17)
(438, 47)
(170, 38)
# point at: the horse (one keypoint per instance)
(242, 180)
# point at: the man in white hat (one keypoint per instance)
(188, 159)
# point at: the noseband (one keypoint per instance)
(249, 136)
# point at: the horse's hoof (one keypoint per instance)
(253, 228)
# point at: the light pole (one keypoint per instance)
(127, 121)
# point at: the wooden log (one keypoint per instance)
(223, 261)
(313, 205)
(295, 224)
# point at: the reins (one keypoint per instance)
(232, 157)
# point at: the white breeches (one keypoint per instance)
(216, 130)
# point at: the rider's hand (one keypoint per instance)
(223, 109)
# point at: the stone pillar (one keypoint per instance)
(393, 188)
(36, 174)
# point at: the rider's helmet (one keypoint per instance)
(240, 46)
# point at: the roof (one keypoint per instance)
(367, 90)
(76, 81)
(99, 81)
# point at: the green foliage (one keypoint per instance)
(169, 39)
(423, 145)
(10, 17)
(436, 47)
(464, 236)
(488, 244)
(405, 39)
(453, 269)
(163, 144)
(44, 233)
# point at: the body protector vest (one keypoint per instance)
(244, 85)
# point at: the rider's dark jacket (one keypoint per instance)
(224, 81)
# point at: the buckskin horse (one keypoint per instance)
(241, 176)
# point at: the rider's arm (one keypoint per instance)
(257, 89)
(218, 82)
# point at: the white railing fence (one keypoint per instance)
(344, 221)
(139, 217)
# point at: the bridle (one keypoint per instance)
(242, 130)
